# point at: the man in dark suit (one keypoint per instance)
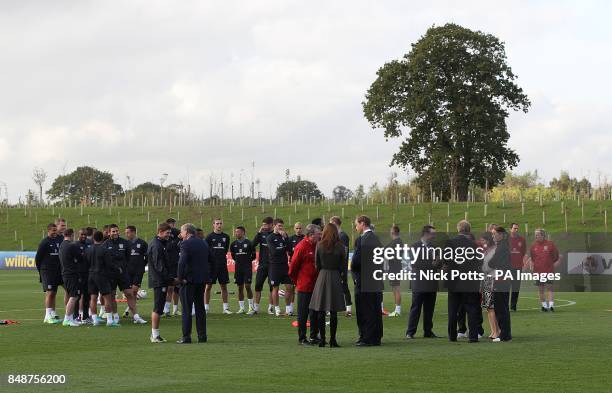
(194, 267)
(463, 291)
(424, 288)
(368, 291)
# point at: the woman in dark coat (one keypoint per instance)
(328, 295)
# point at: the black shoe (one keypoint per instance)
(183, 341)
(544, 309)
(322, 344)
(333, 344)
(473, 341)
(202, 339)
(431, 335)
(552, 309)
(513, 308)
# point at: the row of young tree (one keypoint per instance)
(89, 186)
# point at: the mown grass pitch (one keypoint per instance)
(565, 351)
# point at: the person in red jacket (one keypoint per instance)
(303, 273)
(518, 250)
(544, 259)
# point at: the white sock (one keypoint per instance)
(68, 317)
(544, 304)
(193, 309)
(256, 307)
(348, 308)
(102, 310)
(551, 304)
(167, 307)
(225, 306)
(382, 305)
(277, 309)
(53, 314)
(48, 313)
(109, 318)
(94, 317)
(155, 332)
(174, 308)
(270, 307)
(289, 308)
(250, 303)
(206, 307)
(398, 309)
(136, 316)
(241, 304)
(116, 317)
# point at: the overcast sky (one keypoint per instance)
(191, 89)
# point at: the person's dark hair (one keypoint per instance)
(500, 229)
(317, 221)
(98, 236)
(488, 238)
(51, 226)
(170, 221)
(278, 221)
(330, 237)
(513, 224)
(89, 231)
(106, 227)
(131, 228)
(83, 231)
(69, 232)
(426, 229)
(163, 227)
(241, 228)
(336, 220)
(58, 220)
(111, 226)
(395, 229)
(365, 220)
(199, 230)
(267, 220)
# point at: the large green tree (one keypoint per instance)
(449, 97)
(298, 189)
(85, 184)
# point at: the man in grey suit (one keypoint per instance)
(368, 291)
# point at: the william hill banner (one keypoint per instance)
(16, 260)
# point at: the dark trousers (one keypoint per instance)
(191, 294)
(425, 301)
(461, 321)
(347, 293)
(502, 314)
(515, 288)
(471, 303)
(369, 316)
(303, 314)
(83, 301)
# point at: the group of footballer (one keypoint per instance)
(92, 265)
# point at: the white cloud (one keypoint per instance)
(207, 87)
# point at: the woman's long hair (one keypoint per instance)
(330, 238)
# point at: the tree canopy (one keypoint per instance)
(298, 189)
(449, 97)
(85, 184)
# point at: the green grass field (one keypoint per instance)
(29, 225)
(565, 351)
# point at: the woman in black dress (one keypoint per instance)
(328, 295)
